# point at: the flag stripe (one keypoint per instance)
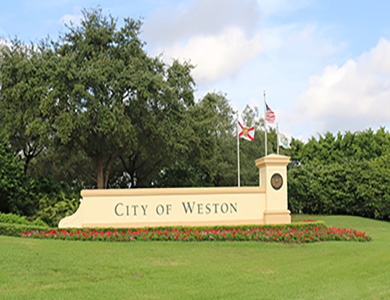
(269, 114)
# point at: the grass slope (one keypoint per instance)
(46, 269)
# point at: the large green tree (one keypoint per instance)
(160, 127)
(203, 157)
(214, 149)
(23, 85)
(106, 94)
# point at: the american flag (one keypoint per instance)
(269, 114)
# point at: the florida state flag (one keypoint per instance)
(247, 133)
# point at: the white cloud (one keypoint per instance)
(199, 17)
(73, 18)
(352, 97)
(218, 37)
(215, 56)
(69, 19)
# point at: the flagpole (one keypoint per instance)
(238, 154)
(277, 137)
(265, 126)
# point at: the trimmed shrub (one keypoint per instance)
(15, 219)
(17, 229)
(54, 199)
(350, 188)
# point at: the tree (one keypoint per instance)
(161, 128)
(24, 83)
(205, 154)
(215, 140)
(103, 87)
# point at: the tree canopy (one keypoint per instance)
(97, 88)
(24, 84)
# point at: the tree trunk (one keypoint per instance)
(99, 172)
(28, 159)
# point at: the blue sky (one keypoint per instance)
(325, 65)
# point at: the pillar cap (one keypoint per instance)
(272, 159)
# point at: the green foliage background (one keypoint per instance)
(347, 174)
(12, 181)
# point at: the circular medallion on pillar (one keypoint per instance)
(276, 181)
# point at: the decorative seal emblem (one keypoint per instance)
(245, 131)
(276, 181)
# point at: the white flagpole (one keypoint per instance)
(238, 154)
(277, 137)
(265, 126)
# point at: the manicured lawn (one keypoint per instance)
(47, 269)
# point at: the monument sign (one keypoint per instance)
(266, 204)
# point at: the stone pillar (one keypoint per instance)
(273, 177)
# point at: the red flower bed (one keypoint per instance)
(284, 235)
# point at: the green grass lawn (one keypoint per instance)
(47, 269)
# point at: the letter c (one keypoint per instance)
(115, 210)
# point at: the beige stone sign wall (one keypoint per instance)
(189, 206)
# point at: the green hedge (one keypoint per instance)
(17, 229)
(350, 188)
(15, 219)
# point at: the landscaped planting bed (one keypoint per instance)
(255, 233)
